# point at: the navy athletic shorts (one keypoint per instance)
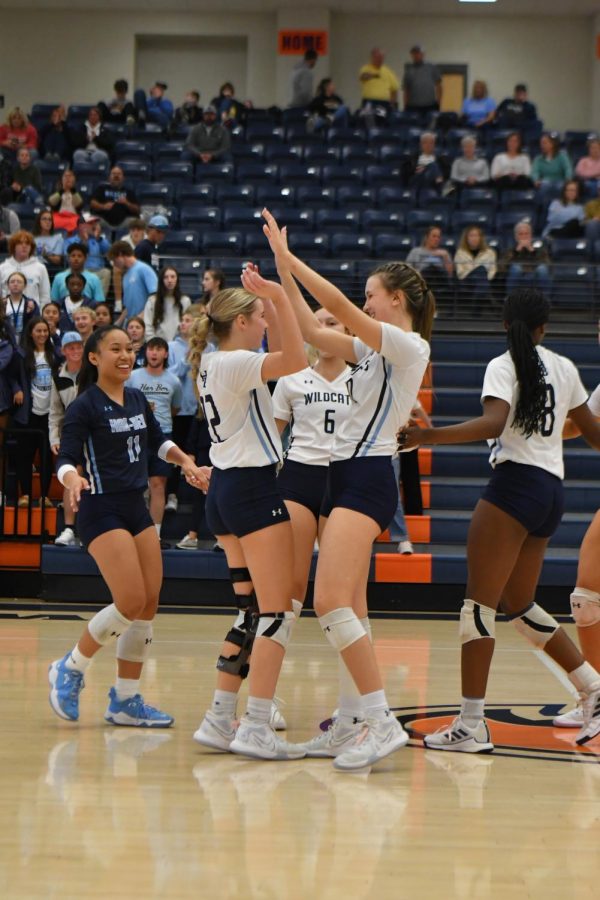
(158, 466)
(366, 485)
(99, 513)
(240, 501)
(529, 494)
(303, 484)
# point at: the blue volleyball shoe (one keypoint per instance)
(134, 712)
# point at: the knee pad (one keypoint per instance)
(242, 634)
(134, 644)
(585, 607)
(108, 624)
(535, 624)
(276, 626)
(342, 627)
(476, 622)
(239, 573)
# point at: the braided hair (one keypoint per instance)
(526, 309)
(399, 276)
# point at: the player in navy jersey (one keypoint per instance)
(244, 508)
(527, 394)
(389, 359)
(110, 430)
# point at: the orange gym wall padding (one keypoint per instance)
(393, 567)
(425, 457)
(55, 492)
(36, 521)
(419, 530)
(20, 556)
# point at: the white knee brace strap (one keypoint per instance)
(107, 625)
(276, 626)
(585, 606)
(134, 644)
(342, 627)
(535, 624)
(476, 622)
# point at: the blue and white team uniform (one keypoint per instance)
(383, 389)
(245, 445)
(162, 393)
(112, 443)
(527, 482)
(315, 409)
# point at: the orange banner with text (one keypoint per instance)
(295, 43)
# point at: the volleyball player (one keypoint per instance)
(110, 430)
(526, 396)
(390, 359)
(244, 508)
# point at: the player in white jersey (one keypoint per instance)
(389, 359)
(244, 508)
(527, 394)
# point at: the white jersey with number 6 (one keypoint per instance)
(564, 391)
(315, 409)
(238, 410)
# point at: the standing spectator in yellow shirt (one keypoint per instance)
(379, 84)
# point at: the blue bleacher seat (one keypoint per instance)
(351, 246)
(155, 192)
(264, 131)
(420, 219)
(320, 154)
(294, 114)
(222, 243)
(132, 150)
(281, 153)
(298, 173)
(214, 172)
(573, 285)
(342, 273)
(379, 221)
(256, 244)
(470, 197)
(51, 168)
(136, 169)
(315, 196)
(338, 136)
(344, 173)
(397, 198)
(508, 218)
(392, 246)
(518, 199)
(570, 250)
(242, 152)
(354, 154)
(392, 154)
(383, 174)
(355, 197)
(309, 244)
(43, 110)
(256, 172)
(197, 215)
(337, 220)
(196, 193)
(168, 151)
(273, 195)
(239, 218)
(463, 218)
(238, 194)
(89, 170)
(295, 219)
(174, 171)
(180, 242)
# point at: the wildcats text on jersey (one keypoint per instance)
(326, 397)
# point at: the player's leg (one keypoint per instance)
(304, 530)
(158, 485)
(585, 599)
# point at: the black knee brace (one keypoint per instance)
(239, 573)
(242, 635)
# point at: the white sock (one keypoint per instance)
(158, 525)
(296, 608)
(224, 703)
(127, 687)
(585, 678)
(77, 661)
(472, 710)
(259, 710)
(375, 705)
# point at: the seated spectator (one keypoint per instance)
(433, 262)
(136, 331)
(9, 223)
(51, 315)
(148, 249)
(588, 167)
(139, 280)
(302, 80)
(113, 201)
(119, 110)
(208, 141)
(26, 185)
(478, 110)
(475, 266)
(75, 284)
(164, 309)
(49, 244)
(213, 281)
(85, 321)
(65, 202)
(516, 111)
(95, 142)
(229, 110)
(189, 113)
(18, 308)
(21, 246)
(56, 138)
(527, 264)
(103, 315)
(155, 107)
(77, 256)
(566, 215)
(89, 233)
(469, 170)
(17, 132)
(327, 108)
(511, 170)
(427, 168)
(592, 218)
(552, 166)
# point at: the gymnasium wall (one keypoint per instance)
(72, 55)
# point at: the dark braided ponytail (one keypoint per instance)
(525, 310)
(399, 276)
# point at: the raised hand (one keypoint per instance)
(256, 284)
(276, 236)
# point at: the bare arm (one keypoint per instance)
(292, 356)
(489, 425)
(586, 424)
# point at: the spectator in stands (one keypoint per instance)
(588, 167)
(148, 249)
(566, 215)
(56, 138)
(552, 166)
(433, 262)
(89, 233)
(75, 299)
(49, 244)
(189, 113)
(164, 309)
(592, 218)
(478, 110)
(475, 267)
(85, 321)
(17, 132)
(10, 385)
(302, 88)
(26, 185)
(139, 280)
(427, 168)
(213, 281)
(18, 308)
(119, 110)
(37, 367)
(209, 141)
(66, 203)
(379, 84)
(62, 393)
(21, 247)
(229, 109)
(103, 315)
(95, 142)
(77, 257)
(527, 263)
(113, 201)
(137, 232)
(469, 170)
(327, 108)
(155, 107)
(51, 315)
(136, 331)
(9, 224)
(422, 85)
(516, 111)
(511, 170)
